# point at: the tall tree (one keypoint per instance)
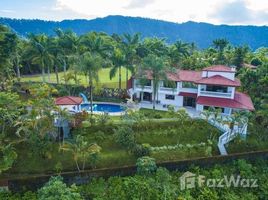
(157, 68)
(219, 45)
(38, 51)
(177, 52)
(118, 60)
(8, 42)
(90, 66)
(130, 45)
(239, 56)
(68, 42)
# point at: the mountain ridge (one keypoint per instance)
(199, 32)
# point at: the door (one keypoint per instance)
(189, 101)
(147, 96)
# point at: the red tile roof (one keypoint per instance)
(219, 68)
(219, 80)
(179, 75)
(240, 101)
(68, 100)
(189, 76)
(188, 94)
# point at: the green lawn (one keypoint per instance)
(113, 155)
(104, 78)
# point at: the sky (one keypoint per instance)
(233, 12)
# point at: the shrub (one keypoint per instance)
(99, 135)
(103, 119)
(146, 165)
(124, 136)
(55, 189)
(79, 118)
(134, 116)
(141, 150)
(85, 124)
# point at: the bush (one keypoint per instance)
(141, 150)
(146, 165)
(55, 189)
(103, 119)
(99, 136)
(124, 136)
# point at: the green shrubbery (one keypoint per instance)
(158, 183)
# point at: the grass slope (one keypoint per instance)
(104, 78)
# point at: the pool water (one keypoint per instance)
(110, 108)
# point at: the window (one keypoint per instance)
(188, 85)
(143, 82)
(170, 97)
(216, 88)
(169, 84)
(147, 83)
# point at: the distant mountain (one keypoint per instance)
(201, 33)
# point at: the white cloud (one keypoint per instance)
(6, 11)
(211, 11)
(139, 3)
(241, 12)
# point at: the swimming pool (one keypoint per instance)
(104, 107)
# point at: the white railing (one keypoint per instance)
(228, 134)
(167, 89)
(143, 87)
(221, 94)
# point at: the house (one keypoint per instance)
(214, 86)
(71, 103)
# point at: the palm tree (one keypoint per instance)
(96, 44)
(157, 67)
(39, 53)
(56, 51)
(90, 66)
(68, 43)
(220, 45)
(118, 60)
(177, 51)
(16, 57)
(130, 45)
(239, 56)
(80, 150)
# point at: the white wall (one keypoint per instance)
(228, 75)
(70, 107)
(177, 102)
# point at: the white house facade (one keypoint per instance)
(214, 86)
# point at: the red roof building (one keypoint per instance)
(189, 76)
(219, 80)
(213, 86)
(240, 101)
(68, 100)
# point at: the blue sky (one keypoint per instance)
(213, 11)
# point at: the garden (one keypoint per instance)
(103, 141)
(118, 141)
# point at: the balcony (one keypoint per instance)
(165, 89)
(143, 88)
(216, 94)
